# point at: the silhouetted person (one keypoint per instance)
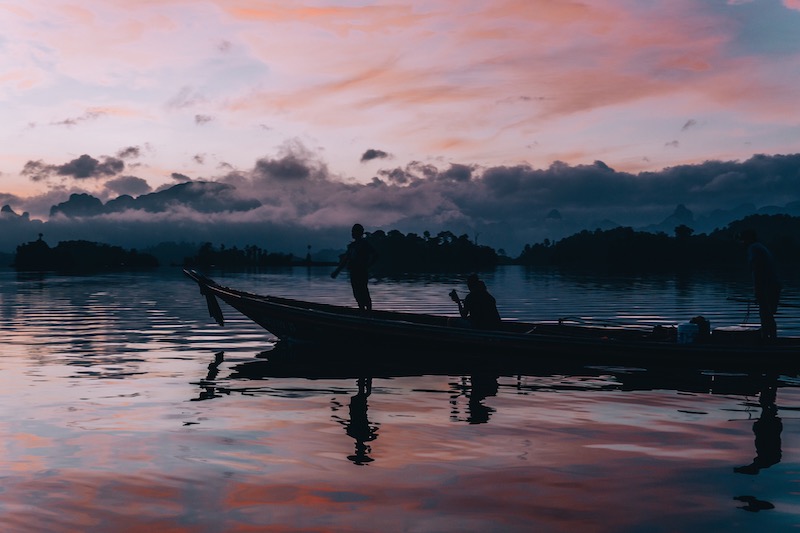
(209, 386)
(360, 255)
(358, 427)
(766, 284)
(767, 430)
(483, 386)
(478, 308)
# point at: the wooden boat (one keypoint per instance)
(352, 330)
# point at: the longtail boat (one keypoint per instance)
(380, 332)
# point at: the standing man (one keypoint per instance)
(360, 255)
(765, 283)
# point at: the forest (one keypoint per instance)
(621, 248)
(79, 256)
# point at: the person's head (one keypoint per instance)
(473, 283)
(357, 231)
(747, 236)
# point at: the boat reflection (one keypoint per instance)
(476, 384)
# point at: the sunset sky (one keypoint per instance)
(153, 92)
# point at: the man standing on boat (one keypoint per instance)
(765, 283)
(360, 255)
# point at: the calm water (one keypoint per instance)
(114, 421)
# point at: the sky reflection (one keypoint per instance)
(188, 427)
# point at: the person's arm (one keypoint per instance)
(343, 259)
(461, 309)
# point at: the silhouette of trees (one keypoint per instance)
(250, 256)
(444, 251)
(624, 248)
(79, 256)
(621, 248)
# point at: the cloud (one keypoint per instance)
(86, 166)
(371, 154)
(201, 120)
(689, 124)
(130, 185)
(80, 168)
(198, 197)
(510, 205)
(131, 152)
(88, 116)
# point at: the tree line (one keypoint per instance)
(621, 248)
(79, 256)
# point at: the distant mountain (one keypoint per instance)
(681, 216)
(200, 196)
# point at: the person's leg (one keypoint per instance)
(767, 307)
(360, 290)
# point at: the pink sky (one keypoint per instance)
(203, 87)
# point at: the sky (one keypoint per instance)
(401, 114)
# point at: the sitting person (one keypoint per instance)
(479, 309)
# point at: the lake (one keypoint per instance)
(126, 408)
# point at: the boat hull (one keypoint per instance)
(370, 332)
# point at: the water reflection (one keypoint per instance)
(481, 385)
(107, 382)
(208, 385)
(358, 425)
(767, 430)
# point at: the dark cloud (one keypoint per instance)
(458, 173)
(508, 205)
(131, 152)
(689, 124)
(198, 197)
(177, 176)
(128, 185)
(199, 159)
(672, 144)
(202, 120)
(37, 170)
(287, 168)
(86, 166)
(371, 154)
(83, 167)
(397, 175)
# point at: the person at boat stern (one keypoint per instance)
(478, 308)
(360, 255)
(766, 283)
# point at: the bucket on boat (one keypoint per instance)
(687, 333)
